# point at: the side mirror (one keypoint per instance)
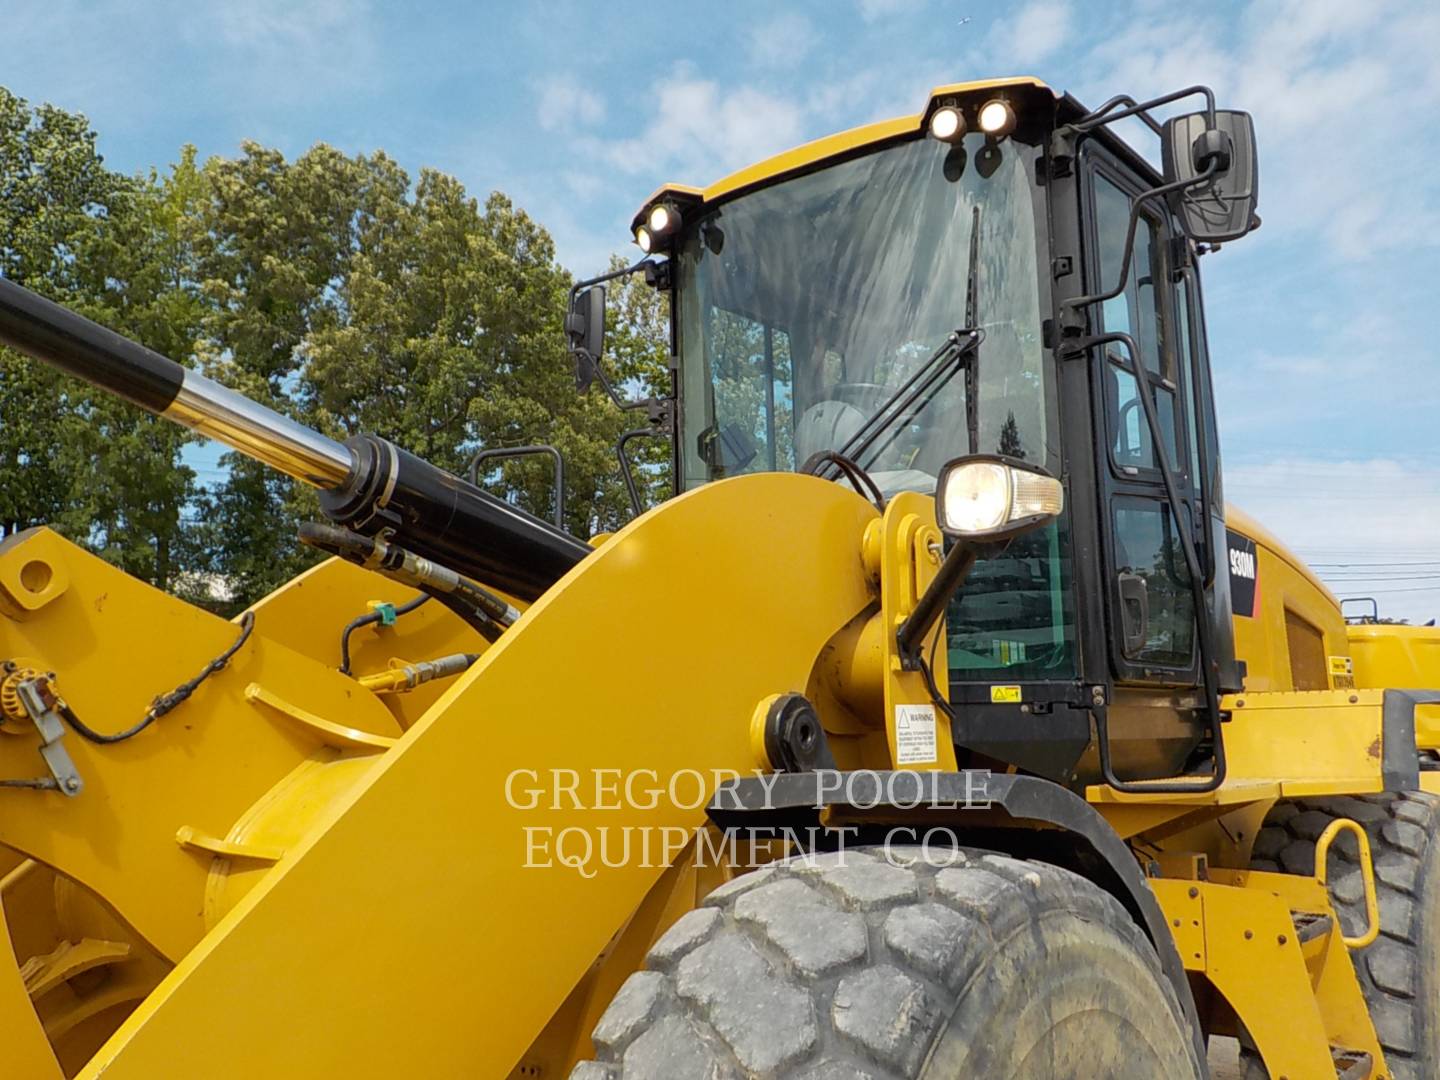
(985, 498)
(585, 329)
(1224, 208)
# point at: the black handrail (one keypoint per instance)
(522, 451)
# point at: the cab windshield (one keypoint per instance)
(804, 305)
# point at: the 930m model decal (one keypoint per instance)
(1244, 573)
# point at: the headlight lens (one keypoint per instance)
(986, 498)
(946, 124)
(661, 218)
(997, 118)
(977, 497)
(644, 239)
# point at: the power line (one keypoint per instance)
(1384, 592)
(1353, 565)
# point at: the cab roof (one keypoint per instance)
(838, 145)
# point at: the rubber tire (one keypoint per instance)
(853, 967)
(1400, 972)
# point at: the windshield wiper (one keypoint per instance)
(972, 319)
(961, 348)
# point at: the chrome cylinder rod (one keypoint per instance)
(54, 335)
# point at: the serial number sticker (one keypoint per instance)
(915, 734)
(1004, 695)
(1342, 665)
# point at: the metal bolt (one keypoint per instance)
(1283, 939)
(1249, 934)
(72, 783)
(1194, 892)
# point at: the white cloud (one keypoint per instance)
(564, 105)
(1353, 511)
(283, 23)
(704, 131)
(872, 10)
(1033, 33)
(1335, 88)
(782, 41)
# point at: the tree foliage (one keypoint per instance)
(332, 288)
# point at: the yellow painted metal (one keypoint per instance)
(278, 821)
(30, 583)
(79, 963)
(1367, 872)
(346, 907)
(831, 147)
(1283, 584)
(187, 837)
(1337, 992)
(26, 1050)
(909, 554)
(1400, 657)
(325, 731)
(69, 959)
(115, 643)
(307, 613)
(1310, 742)
(1291, 744)
(1296, 1000)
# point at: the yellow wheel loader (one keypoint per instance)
(944, 723)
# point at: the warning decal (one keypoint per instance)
(915, 734)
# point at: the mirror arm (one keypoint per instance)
(910, 638)
(1069, 319)
(1094, 119)
(1103, 115)
(580, 286)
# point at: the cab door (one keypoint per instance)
(1151, 618)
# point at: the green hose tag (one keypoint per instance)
(385, 611)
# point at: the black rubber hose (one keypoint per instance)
(165, 702)
(366, 620)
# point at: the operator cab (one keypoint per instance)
(813, 292)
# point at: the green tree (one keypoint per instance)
(119, 250)
(329, 288)
(55, 192)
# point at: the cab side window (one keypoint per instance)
(1139, 312)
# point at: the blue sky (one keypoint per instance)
(1328, 373)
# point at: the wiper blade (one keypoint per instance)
(961, 347)
(972, 318)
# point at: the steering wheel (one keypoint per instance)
(865, 396)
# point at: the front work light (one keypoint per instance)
(644, 239)
(947, 125)
(997, 118)
(663, 218)
(991, 498)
